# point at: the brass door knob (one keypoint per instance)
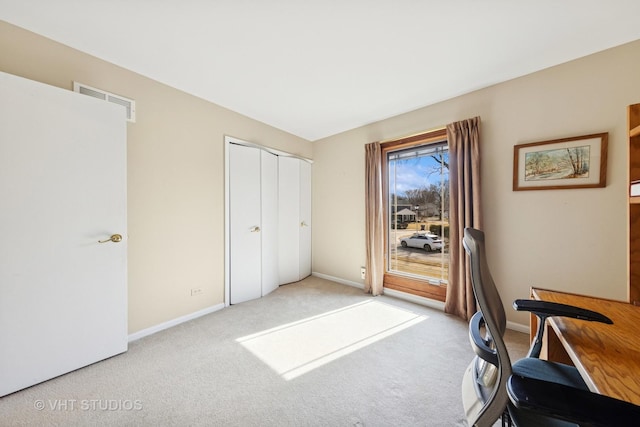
(115, 238)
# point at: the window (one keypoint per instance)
(416, 171)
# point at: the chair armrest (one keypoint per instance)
(547, 309)
(570, 404)
(544, 309)
(480, 345)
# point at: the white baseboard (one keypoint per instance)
(338, 280)
(519, 327)
(166, 325)
(412, 298)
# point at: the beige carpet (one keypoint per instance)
(314, 353)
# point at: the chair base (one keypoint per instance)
(475, 387)
(470, 399)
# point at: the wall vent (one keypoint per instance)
(127, 103)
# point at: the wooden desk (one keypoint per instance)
(607, 356)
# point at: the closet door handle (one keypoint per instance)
(304, 224)
(255, 229)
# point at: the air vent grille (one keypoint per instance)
(127, 103)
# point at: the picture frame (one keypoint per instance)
(575, 162)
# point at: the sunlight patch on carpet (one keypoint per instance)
(299, 347)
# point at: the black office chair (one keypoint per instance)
(531, 392)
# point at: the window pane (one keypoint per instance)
(418, 212)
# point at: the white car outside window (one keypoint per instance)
(426, 241)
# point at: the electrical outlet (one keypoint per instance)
(363, 272)
(196, 291)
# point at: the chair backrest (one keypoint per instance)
(492, 310)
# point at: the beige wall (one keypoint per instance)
(175, 175)
(572, 240)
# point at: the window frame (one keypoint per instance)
(411, 285)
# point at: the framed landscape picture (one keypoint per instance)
(576, 162)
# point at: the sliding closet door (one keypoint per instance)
(245, 247)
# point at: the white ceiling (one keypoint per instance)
(315, 68)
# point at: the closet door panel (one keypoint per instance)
(305, 220)
(269, 218)
(245, 225)
(288, 213)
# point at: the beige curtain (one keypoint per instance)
(464, 181)
(374, 219)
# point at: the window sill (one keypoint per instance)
(415, 287)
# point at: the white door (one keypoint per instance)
(63, 295)
(245, 247)
(269, 220)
